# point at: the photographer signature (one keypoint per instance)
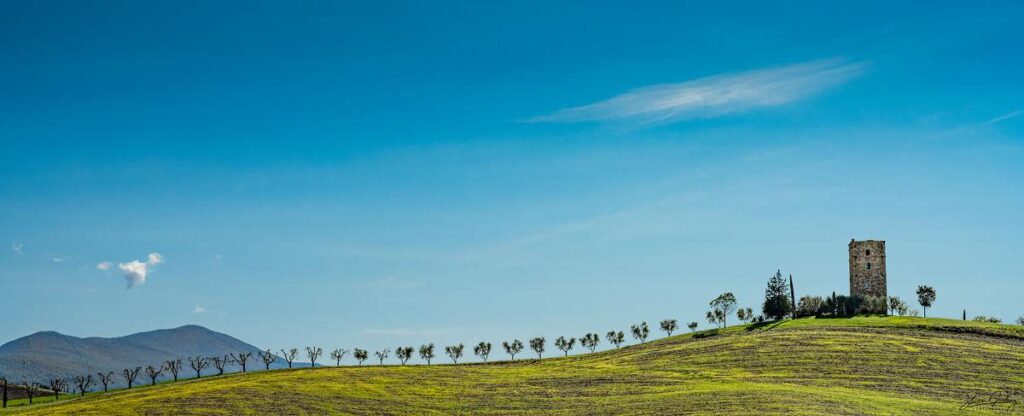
(1005, 400)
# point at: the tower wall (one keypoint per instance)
(867, 268)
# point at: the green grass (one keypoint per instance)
(863, 365)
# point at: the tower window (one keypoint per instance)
(867, 252)
(869, 266)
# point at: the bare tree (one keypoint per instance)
(616, 338)
(198, 364)
(337, 355)
(381, 355)
(241, 358)
(83, 383)
(669, 326)
(290, 355)
(590, 341)
(153, 373)
(404, 354)
(640, 332)
(56, 385)
(513, 348)
(565, 344)
(267, 357)
(427, 352)
(361, 355)
(174, 366)
(692, 326)
(130, 374)
(220, 363)
(31, 390)
(537, 344)
(482, 350)
(106, 379)
(454, 352)
(313, 353)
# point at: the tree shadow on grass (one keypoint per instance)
(764, 325)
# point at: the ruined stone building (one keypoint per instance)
(867, 268)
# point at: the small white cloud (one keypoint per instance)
(1002, 118)
(16, 246)
(61, 259)
(135, 272)
(714, 95)
(104, 265)
(199, 309)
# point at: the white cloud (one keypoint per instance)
(135, 271)
(16, 246)
(199, 309)
(1004, 117)
(61, 259)
(715, 95)
(104, 265)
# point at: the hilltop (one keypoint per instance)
(862, 365)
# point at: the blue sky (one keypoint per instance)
(390, 174)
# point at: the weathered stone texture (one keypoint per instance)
(867, 268)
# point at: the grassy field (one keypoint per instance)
(863, 365)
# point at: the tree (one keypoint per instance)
(537, 344)
(482, 350)
(267, 357)
(108, 377)
(669, 326)
(4, 399)
(360, 355)
(337, 355)
(724, 305)
(289, 355)
(792, 295)
(153, 373)
(926, 297)
(31, 390)
(454, 352)
(1020, 321)
(745, 314)
(716, 317)
(897, 306)
(56, 385)
(777, 305)
(427, 352)
(313, 353)
(198, 364)
(615, 338)
(692, 326)
(513, 348)
(381, 355)
(83, 383)
(590, 341)
(640, 332)
(130, 374)
(220, 363)
(403, 354)
(565, 344)
(241, 358)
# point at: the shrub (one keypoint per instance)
(990, 319)
(810, 306)
(873, 305)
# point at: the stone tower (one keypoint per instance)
(867, 268)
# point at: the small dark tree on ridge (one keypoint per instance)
(289, 355)
(130, 374)
(361, 355)
(616, 338)
(427, 352)
(198, 364)
(220, 363)
(108, 377)
(482, 350)
(692, 326)
(267, 357)
(537, 344)
(926, 297)
(590, 341)
(513, 348)
(454, 352)
(153, 373)
(337, 355)
(723, 306)
(669, 326)
(313, 353)
(56, 385)
(241, 358)
(640, 332)
(403, 354)
(565, 344)
(381, 355)
(83, 383)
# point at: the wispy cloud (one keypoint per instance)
(59, 259)
(135, 271)
(1004, 117)
(16, 246)
(403, 332)
(104, 266)
(715, 95)
(199, 309)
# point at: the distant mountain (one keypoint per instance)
(43, 355)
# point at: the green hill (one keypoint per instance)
(863, 365)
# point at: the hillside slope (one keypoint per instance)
(829, 366)
(42, 355)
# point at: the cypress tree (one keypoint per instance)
(776, 303)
